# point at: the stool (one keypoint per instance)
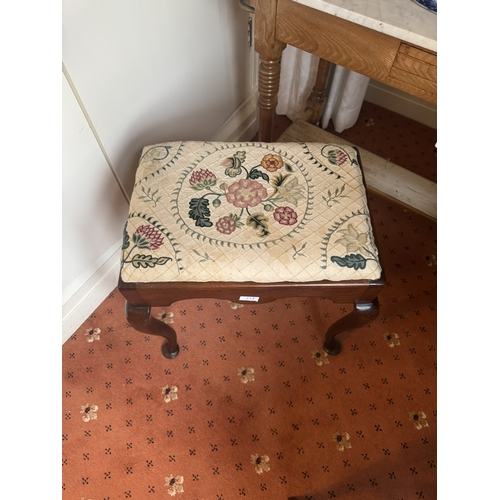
(249, 222)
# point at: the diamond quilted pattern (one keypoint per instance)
(212, 211)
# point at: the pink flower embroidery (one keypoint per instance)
(152, 235)
(225, 225)
(286, 216)
(246, 193)
(204, 177)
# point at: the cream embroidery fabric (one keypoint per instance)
(262, 212)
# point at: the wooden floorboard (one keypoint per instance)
(382, 175)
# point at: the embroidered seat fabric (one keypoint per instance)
(262, 212)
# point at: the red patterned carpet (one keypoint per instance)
(247, 410)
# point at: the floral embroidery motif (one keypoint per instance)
(342, 440)
(93, 334)
(288, 189)
(418, 419)
(246, 374)
(261, 463)
(174, 484)
(392, 339)
(225, 204)
(286, 216)
(336, 156)
(166, 317)
(352, 239)
(169, 393)
(271, 162)
(144, 238)
(234, 164)
(247, 193)
(89, 412)
(202, 179)
(320, 357)
(227, 224)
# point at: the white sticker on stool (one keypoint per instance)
(250, 299)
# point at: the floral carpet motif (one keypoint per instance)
(248, 212)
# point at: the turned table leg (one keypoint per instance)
(270, 50)
(316, 100)
(140, 318)
(269, 81)
(363, 314)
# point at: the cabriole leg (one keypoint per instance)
(140, 318)
(363, 314)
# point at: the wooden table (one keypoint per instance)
(401, 59)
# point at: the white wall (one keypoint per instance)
(137, 73)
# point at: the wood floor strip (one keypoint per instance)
(382, 175)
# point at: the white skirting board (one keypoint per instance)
(243, 124)
(402, 103)
(89, 294)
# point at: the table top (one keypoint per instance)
(402, 19)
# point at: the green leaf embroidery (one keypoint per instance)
(200, 212)
(140, 260)
(259, 222)
(140, 241)
(204, 258)
(255, 174)
(354, 261)
(279, 179)
(126, 238)
(236, 219)
(198, 187)
(298, 251)
(150, 197)
(333, 198)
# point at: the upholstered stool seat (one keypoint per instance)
(248, 222)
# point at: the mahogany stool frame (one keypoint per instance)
(140, 297)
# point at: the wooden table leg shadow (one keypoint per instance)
(140, 297)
